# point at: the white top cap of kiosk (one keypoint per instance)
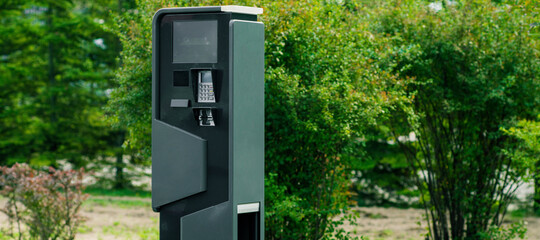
(230, 8)
(242, 9)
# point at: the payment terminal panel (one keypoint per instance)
(202, 69)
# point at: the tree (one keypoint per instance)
(56, 67)
(475, 69)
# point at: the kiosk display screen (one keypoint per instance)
(195, 41)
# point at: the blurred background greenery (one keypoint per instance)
(403, 103)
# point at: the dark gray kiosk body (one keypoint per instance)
(208, 123)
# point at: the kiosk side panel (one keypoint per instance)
(247, 131)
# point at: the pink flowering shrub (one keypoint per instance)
(42, 205)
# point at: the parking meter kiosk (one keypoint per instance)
(208, 123)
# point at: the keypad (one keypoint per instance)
(206, 93)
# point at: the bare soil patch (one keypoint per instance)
(113, 218)
(388, 223)
(119, 221)
(404, 224)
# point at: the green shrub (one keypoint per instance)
(527, 151)
(514, 231)
(475, 69)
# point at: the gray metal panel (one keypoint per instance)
(247, 58)
(180, 103)
(208, 224)
(178, 164)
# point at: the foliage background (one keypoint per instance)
(53, 81)
(474, 68)
(346, 80)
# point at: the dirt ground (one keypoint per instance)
(387, 223)
(111, 222)
(114, 221)
(404, 224)
(119, 222)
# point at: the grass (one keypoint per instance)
(151, 232)
(123, 198)
(121, 231)
(524, 209)
(386, 233)
(96, 191)
(118, 230)
(3, 236)
(522, 213)
(84, 229)
(122, 203)
(376, 216)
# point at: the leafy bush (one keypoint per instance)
(527, 151)
(42, 205)
(282, 211)
(475, 69)
(514, 231)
